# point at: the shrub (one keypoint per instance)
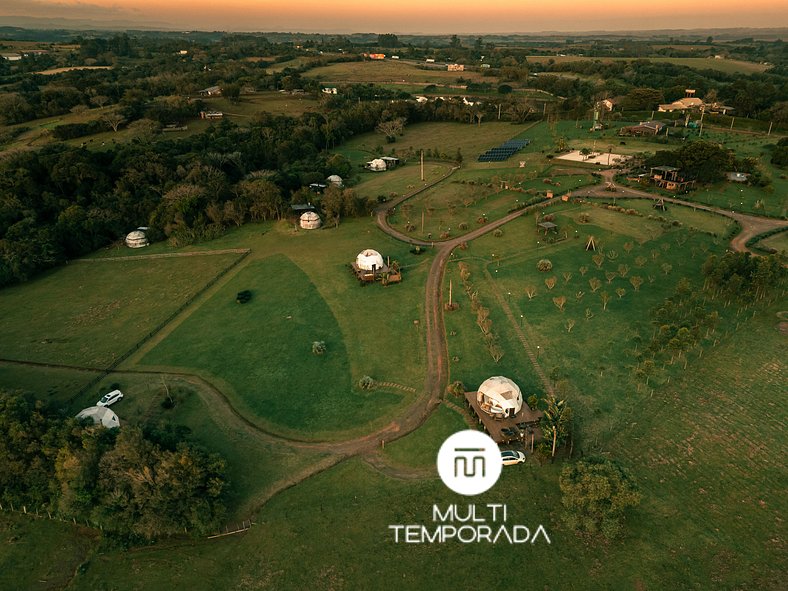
(456, 388)
(532, 401)
(544, 265)
(498, 233)
(366, 383)
(318, 347)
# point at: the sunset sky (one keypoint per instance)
(414, 16)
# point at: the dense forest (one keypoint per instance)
(136, 484)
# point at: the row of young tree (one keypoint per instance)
(134, 483)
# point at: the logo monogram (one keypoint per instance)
(469, 462)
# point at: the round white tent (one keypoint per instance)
(136, 239)
(377, 165)
(100, 415)
(500, 396)
(310, 220)
(368, 258)
(335, 180)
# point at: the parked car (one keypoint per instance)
(110, 398)
(511, 457)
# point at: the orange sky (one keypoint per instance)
(428, 16)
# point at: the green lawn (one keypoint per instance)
(256, 346)
(88, 314)
(447, 138)
(403, 179)
(386, 71)
(418, 448)
(691, 218)
(39, 554)
(779, 242)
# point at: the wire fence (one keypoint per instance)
(36, 513)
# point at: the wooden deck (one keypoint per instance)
(524, 426)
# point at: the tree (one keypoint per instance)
(556, 422)
(550, 282)
(232, 92)
(621, 292)
(595, 284)
(636, 282)
(596, 493)
(560, 302)
(388, 40)
(530, 291)
(570, 324)
(605, 297)
(391, 128)
(114, 120)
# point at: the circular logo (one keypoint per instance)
(469, 462)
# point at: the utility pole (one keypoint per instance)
(732, 120)
(422, 165)
(770, 128)
(702, 113)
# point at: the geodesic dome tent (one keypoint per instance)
(335, 180)
(368, 258)
(377, 165)
(100, 415)
(309, 220)
(500, 396)
(136, 239)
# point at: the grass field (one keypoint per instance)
(700, 220)
(262, 102)
(38, 554)
(779, 242)
(418, 448)
(447, 138)
(403, 179)
(387, 71)
(278, 326)
(90, 315)
(249, 350)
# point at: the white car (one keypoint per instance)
(511, 457)
(110, 398)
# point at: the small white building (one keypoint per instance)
(309, 220)
(500, 396)
(100, 415)
(335, 180)
(377, 165)
(136, 239)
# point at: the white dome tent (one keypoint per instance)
(377, 165)
(310, 220)
(100, 415)
(368, 260)
(335, 180)
(136, 239)
(500, 396)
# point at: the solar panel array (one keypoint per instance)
(504, 151)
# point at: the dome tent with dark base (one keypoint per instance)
(310, 220)
(500, 396)
(368, 260)
(136, 239)
(100, 415)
